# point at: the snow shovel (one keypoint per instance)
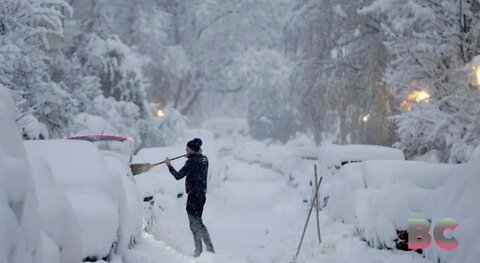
(138, 168)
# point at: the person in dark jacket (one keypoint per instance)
(195, 170)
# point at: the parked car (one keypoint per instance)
(392, 190)
(118, 152)
(61, 235)
(94, 190)
(333, 155)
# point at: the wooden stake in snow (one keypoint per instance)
(308, 218)
(316, 207)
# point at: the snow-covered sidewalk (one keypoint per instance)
(257, 217)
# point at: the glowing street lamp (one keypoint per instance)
(160, 113)
(366, 117)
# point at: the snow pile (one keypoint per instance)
(336, 155)
(86, 180)
(20, 234)
(394, 191)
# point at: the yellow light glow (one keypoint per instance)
(406, 105)
(477, 74)
(160, 113)
(366, 117)
(418, 96)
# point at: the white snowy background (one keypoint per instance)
(273, 87)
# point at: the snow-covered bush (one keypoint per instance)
(20, 232)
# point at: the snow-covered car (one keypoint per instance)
(94, 191)
(333, 155)
(393, 191)
(118, 152)
(61, 235)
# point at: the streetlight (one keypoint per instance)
(366, 117)
(160, 113)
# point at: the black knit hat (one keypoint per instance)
(195, 144)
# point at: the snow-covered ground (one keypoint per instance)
(256, 215)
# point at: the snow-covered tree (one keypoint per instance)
(104, 75)
(432, 44)
(340, 60)
(27, 29)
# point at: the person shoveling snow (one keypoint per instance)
(195, 170)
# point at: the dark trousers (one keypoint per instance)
(199, 230)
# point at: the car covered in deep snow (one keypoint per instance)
(333, 155)
(392, 190)
(95, 192)
(118, 152)
(61, 235)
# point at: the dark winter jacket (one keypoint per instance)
(195, 169)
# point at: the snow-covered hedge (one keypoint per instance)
(379, 197)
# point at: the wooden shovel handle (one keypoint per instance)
(178, 157)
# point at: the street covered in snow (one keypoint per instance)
(257, 215)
